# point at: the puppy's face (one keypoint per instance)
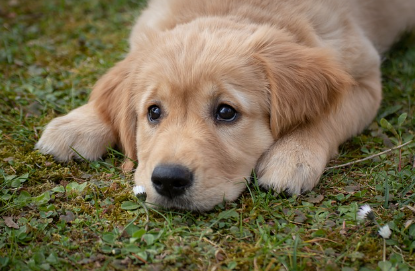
(202, 122)
(205, 102)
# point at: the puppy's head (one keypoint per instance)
(203, 104)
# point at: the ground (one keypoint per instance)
(84, 216)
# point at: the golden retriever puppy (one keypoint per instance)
(212, 89)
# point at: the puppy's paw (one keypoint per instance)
(293, 165)
(80, 132)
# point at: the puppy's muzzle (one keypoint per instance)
(171, 180)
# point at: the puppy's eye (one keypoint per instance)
(225, 113)
(154, 113)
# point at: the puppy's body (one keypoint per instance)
(300, 77)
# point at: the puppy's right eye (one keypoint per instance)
(225, 113)
(154, 113)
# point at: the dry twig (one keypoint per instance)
(369, 157)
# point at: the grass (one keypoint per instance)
(83, 215)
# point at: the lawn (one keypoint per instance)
(84, 216)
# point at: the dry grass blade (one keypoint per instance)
(369, 157)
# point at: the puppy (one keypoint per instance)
(212, 89)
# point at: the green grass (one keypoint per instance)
(83, 216)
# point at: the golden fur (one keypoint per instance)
(303, 76)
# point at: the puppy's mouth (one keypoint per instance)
(181, 203)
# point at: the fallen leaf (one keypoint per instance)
(316, 199)
(299, 216)
(86, 176)
(10, 223)
(352, 188)
(410, 208)
(113, 187)
(219, 256)
(68, 217)
(408, 223)
(8, 159)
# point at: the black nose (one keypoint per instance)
(171, 180)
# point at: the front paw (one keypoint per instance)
(293, 165)
(80, 133)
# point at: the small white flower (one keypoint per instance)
(363, 212)
(385, 231)
(139, 189)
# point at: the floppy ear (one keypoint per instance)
(303, 82)
(111, 95)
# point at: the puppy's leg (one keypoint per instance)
(81, 130)
(107, 119)
(297, 160)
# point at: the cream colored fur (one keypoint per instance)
(303, 76)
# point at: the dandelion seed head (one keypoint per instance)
(140, 192)
(365, 212)
(139, 189)
(385, 231)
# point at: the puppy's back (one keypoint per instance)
(384, 20)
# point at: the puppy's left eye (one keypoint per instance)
(154, 113)
(225, 113)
